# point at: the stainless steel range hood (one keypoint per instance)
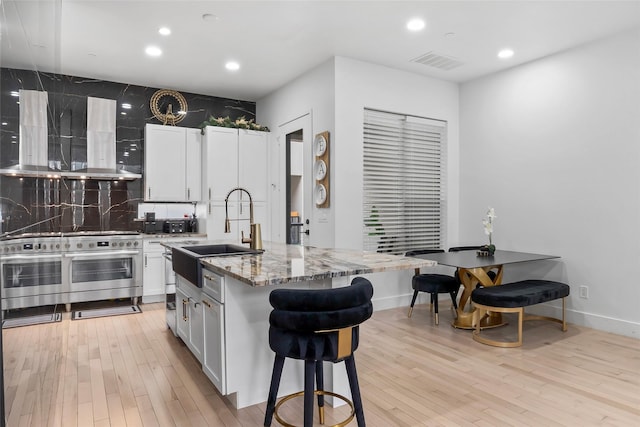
(101, 141)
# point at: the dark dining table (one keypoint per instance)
(474, 270)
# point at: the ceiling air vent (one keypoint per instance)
(436, 60)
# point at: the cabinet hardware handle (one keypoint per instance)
(188, 194)
(145, 261)
(184, 310)
(209, 193)
(207, 303)
(209, 208)
(206, 276)
(149, 192)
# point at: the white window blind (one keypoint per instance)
(404, 182)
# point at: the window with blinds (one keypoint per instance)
(404, 182)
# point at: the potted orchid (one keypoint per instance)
(488, 230)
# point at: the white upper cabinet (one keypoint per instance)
(220, 162)
(172, 164)
(193, 161)
(252, 163)
(234, 158)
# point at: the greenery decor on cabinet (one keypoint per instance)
(239, 123)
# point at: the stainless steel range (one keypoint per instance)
(76, 267)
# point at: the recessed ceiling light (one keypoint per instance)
(153, 51)
(126, 106)
(15, 93)
(415, 24)
(165, 31)
(4, 123)
(208, 17)
(232, 66)
(505, 53)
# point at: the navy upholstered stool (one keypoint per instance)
(512, 298)
(316, 326)
(433, 284)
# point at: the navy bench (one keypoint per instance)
(512, 298)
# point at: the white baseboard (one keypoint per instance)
(589, 320)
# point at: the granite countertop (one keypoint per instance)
(281, 263)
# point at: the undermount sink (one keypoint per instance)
(221, 249)
(186, 259)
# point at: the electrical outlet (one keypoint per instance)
(584, 292)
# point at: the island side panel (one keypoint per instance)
(248, 355)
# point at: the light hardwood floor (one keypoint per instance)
(131, 371)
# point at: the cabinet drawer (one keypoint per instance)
(213, 285)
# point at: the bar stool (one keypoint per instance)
(317, 325)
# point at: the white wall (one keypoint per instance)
(362, 85)
(337, 93)
(311, 93)
(359, 85)
(554, 146)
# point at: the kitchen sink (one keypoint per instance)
(186, 259)
(221, 249)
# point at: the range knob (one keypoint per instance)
(121, 244)
(57, 245)
(91, 245)
(135, 243)
(79, 245)
(128, 244)
(44, 246)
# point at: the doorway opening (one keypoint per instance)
(295, 186)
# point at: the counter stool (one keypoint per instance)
(317, 325)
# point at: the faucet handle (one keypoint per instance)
(243, 239)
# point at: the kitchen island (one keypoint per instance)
(225, 323)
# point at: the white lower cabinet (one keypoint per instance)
(153, 280)
(182, 315)
(196, 328)
(213, 364)
(190, 323)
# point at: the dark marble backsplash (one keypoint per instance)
(90, 205)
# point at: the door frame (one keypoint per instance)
(278, 207)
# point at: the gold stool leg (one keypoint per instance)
(279, 419)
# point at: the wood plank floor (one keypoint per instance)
(131, 371)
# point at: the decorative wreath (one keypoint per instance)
(168, 116)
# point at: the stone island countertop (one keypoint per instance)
(281, 263)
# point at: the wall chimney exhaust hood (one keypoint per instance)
(101, 141)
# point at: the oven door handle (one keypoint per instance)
(94, 254)
(27, 257)
(167, 257)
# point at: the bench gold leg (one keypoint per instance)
(481, 309)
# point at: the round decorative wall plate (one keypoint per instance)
(168, 106)
(320, 144)
(320, 194)
(320, 169)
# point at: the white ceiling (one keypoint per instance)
(276, 41)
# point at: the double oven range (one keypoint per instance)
(46, 269)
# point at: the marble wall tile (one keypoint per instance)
(72, 205)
